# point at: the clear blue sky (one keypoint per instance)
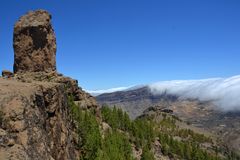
(111, 43)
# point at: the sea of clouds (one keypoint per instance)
(224, 92)
(111, 90)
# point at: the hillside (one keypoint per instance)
(201, 114)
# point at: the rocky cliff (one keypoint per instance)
(35, 118)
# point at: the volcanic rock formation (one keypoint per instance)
(34, 43)
(35, 116)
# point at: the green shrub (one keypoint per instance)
(116, 146)
(147, 154)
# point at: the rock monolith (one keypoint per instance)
(34, 43)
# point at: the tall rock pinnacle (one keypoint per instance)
(34, 43)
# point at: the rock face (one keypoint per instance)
(35, 121)
(35, 116)
(34, 43)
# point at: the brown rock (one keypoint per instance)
(11, 142)
(44, 129)
(7, 74)
(83, 99)
(34, 43)
(36, 120)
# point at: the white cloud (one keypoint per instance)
(224, 92)
(98, 92)
(111, 90)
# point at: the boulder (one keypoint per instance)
(34, 43)
(7, 74)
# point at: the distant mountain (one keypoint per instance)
(223, 93)
(111, 90)
(134, 101)
(195, 102)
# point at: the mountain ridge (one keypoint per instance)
(222, 91)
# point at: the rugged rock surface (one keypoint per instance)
(36, 122)
(82, 98)
(34, 43)
(35, 119)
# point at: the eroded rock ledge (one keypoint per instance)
(36, 121)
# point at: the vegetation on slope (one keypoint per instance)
(116, 143)
(144, 131)
(94, 146)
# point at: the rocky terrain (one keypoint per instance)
(35, 119)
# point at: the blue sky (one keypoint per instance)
(112, 43)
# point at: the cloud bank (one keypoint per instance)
(111, 90)
(224, 92)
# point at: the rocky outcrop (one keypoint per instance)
(83, 99)
(7, 74)
(35, 117)
(45, 129)
(34, 43)
(35, 120)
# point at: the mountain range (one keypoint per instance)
(209, 104)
